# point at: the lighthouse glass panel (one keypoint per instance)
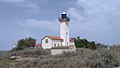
(64, 16)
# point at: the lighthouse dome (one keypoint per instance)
(63, 12)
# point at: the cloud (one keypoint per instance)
(32, 6)
(39, 24)
(13, 1)
(22, 3)
(19, 29)
(26, 27)
(96, 19)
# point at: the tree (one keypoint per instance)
(84, 43)
(25, 43)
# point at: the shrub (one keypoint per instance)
(84, 43)
(31, 52)
(82, 58)
(24, 43)
(103, 58)
(65, 60)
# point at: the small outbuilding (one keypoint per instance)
(38, 45)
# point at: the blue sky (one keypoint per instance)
(96, 20)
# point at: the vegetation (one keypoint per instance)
(84, 43)
(30, 52)
(80, 43)
(25, 43)
(88, 55)
(82, 58)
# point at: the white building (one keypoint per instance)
(62, 43)
(51, 41)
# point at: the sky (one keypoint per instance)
(95, 20)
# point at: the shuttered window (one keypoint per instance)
(46, 40)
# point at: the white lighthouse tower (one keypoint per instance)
(64, 28)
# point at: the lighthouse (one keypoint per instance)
(64, 28)
(62, 43)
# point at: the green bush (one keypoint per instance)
(84, 43)
(24, 43)
(31, 52)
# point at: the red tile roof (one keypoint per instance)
(38, 44)
(54, 37)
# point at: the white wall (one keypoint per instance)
(64, 32)
(57, 42)
(58, 51)
(72, 43)
(51, 43)
(47, 45)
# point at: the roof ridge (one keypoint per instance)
(54, 37)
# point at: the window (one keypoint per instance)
(55, 45)
(58, 44)
(46, 40)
